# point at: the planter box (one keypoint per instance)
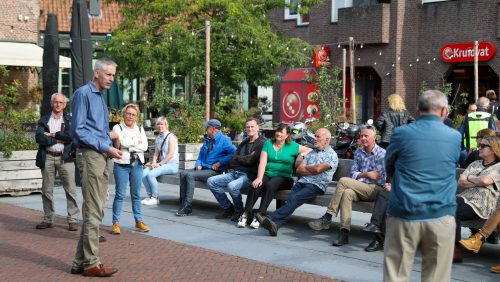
(19, 175)
(188, 153)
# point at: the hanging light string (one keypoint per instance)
(194, 32)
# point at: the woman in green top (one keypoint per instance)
(275, 171)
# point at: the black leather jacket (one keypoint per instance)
(389, 120)
(47, 141)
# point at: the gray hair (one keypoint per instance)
(103, 63)
(53, 97)
(369, 127)
(483, 103)
(432, 100)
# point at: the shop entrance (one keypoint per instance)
(368, 94)
(462, 79)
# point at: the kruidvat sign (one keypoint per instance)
(464, 52)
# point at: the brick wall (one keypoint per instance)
(23, 16)
(415, 31)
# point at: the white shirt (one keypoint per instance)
(55, 126)
(131, 140)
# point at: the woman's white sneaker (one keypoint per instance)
(242, 221)
(255, 224)
(152, 201)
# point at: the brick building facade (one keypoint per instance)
(19, 23)
(398, 43)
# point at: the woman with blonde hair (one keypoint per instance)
(165, 161)
(132, 142)
(391, 118)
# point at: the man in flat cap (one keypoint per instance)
(215, 154)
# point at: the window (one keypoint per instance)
(430, 1)
(292, 9)
(338, 4)
(292, 12)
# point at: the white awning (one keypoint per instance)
(26, 55)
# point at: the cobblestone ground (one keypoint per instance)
(28, 254)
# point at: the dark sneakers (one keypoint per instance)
(226, 213)
(184, 211)
(44, 225)
(270, 225)
(73, 226)
(372, 228)
(342, 239)
(374, 246)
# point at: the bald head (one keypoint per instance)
(322, 138)
(483, 103)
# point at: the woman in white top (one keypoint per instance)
(165, 161)
(132, 141)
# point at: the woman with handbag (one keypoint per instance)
(480, 183)
(165, 161)
(132, 142)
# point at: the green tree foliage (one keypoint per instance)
(159, 39)
(12, 122)
(329, 89)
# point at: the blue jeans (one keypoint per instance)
(187, 179)
(300, 194)
(234, 181)
(149, 177)
(123, 174)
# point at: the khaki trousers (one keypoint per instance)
(491, 224)
(66, 172)
(435, 240)
(93, 168)
(350, 190)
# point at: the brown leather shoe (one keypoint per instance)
(99, 271)
(44, 225)
(457, 255)
(76, 270)
(495, 269)
(73, 226)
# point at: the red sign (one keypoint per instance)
(321, 56)
(464, 52)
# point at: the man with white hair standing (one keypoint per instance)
(56, 155)
(421, 161)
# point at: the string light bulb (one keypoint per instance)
(11, 29)
(338, 46)
(96, 43)
(418, 60)
(123, 43)
(70, 40)
(380, 53)
(361, 46)
(41, 36)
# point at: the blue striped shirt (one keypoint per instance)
(90, 119)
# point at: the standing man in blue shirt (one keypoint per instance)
(90, 130)
(421, 161)
(367, 179)
(215, 154)
(317, 169)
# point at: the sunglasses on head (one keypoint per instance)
(482, 146)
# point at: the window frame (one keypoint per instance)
(335, 8)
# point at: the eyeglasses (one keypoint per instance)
(482, 146)
(131, 114)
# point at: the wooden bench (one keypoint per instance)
(343, 170)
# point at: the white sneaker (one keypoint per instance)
(242, 222)
(145, 200)
(255, 224)
(152, 201)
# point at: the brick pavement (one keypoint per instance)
(28, 254)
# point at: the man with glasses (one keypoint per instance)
(56, 155)
(367, 179)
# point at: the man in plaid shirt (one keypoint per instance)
(367, 179)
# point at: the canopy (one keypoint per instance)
(26, 55)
